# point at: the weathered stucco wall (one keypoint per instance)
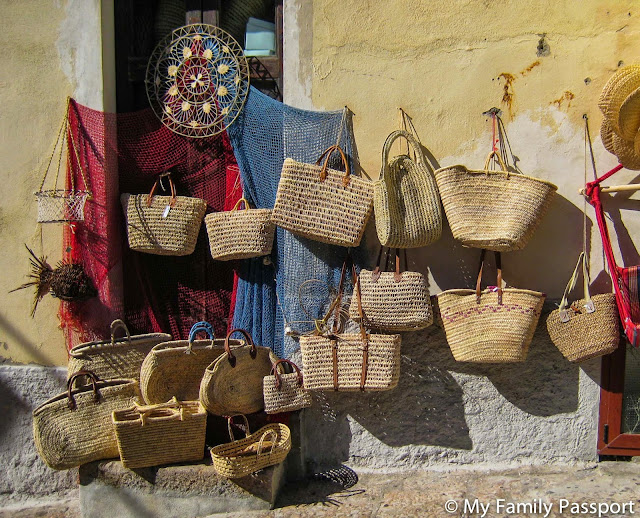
(445, 63)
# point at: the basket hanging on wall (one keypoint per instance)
(57, 205)
(197, 80)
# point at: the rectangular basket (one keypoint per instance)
(166, 433)
(60, 206)
(285, 392)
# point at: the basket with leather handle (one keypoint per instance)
(232, 384)
(494, 210)
(323, 204)
(163, 225)
(115, 358)
(392, 301)
(240, 234)
(494, 325)
(587, 328)
(406, 202)
(160, 434)
(350, 362)
(75, 427)
(176, 368)
(284, 392)
(266, 447)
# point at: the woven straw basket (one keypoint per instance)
(160, 434)
(232, 384)
(587, 328)
(491, 326)
(323, 204)
(406, 202)
(284, 392)
(393, 301)
(495, 210)
(175, 369)
(163, 225)
(266, 447)
(240, 234)
(115, 358)
(75, 427)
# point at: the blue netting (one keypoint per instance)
(265, 133)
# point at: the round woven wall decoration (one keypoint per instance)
(197, 80)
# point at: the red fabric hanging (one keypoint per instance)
(125, 153)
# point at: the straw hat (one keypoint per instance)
(626, 153)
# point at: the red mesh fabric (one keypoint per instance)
(125, 153)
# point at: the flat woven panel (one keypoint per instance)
(586, 335)
(324, 211)
(488, 332)
(67, 438)
(165, 434)
(383, 366)
(493, 210)
(289, 397)
(58, 206)
(240, 234)
(391, 305)
(149, 231)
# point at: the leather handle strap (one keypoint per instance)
(230, 356)
(119, 324)
(375, 276)
(275, 372)
(78, 374)
(155, 186)
(363, 332)
(326, 155)
(230, 422)
(499, 276)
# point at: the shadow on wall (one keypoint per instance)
(11, 332)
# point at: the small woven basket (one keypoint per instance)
(406, 202)
(284, 392)
(115, 358)
(493, 210)
(240, 234)
(393, 301)
(163, 225)
(75, 427)
(589, 327)
(491, 326)
(175, 369)
(266, 447)
(323, 204)
(160, 434)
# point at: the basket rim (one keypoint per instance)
(61, 193)
(101, 345)
(489, 172)
(195, 409)
(486, 291)
(284, 435)
(183, 345)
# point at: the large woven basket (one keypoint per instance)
(495, 325)
(163, 225)
(406, 202)
(285, 392)
(494, 210)
(589, 327)
(323, 204)
(392, 301)
(266, 447)
(160, 434)
(115, 358)
(240, 234)
(232, 384)
(175, 369)
(75, 427)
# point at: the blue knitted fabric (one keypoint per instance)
(264, 134)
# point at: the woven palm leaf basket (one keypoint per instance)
(268, 446)
(285, 392)
(493, 210)
(160, 434)
(163, 225)
(240, 234)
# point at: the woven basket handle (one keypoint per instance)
(119, 324)
(230, 356)
(172, 404)
(589, 306)
(247, 206)
(199, 327)
(78, 374)
(499, 280)
(500, 161)
(230, 422)
(268, 433)
(387, 148)
(275, 372)
(326, 155)
(155, 186)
